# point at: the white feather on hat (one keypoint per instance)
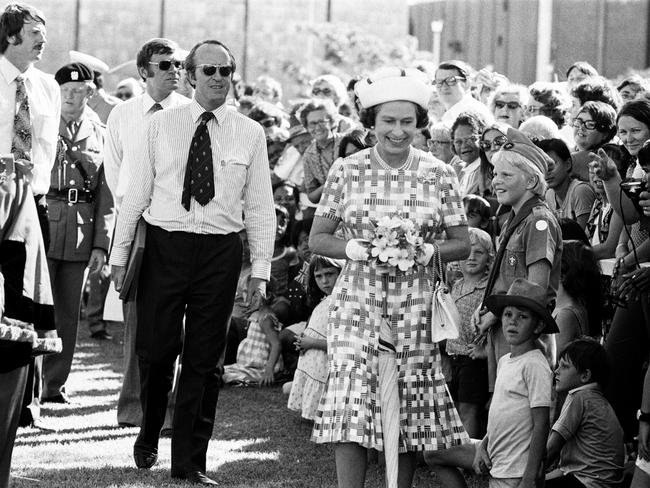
(390, 84)
(95, 64)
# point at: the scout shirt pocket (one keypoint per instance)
(514, 259)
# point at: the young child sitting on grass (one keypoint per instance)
(587, 437)
(512, 451)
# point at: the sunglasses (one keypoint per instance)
(511, 105)
(587, 124)
(268, 123)
(211, 69)
(495, 144)
(321, 91)
(165, 65)
(449, 81)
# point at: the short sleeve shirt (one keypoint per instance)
(593, 451)
(578, 201)
(537, 237)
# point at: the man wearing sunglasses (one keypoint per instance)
(202, 178)
(453, 85)
(126, 133)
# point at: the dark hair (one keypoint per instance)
(555, 105)
(190, 63)
(586, 353)
(621, 157)
(367, 116)
(264, 110)
(356, 137)
(638, 110)
(153, 46)
(426, 133)
(584, 67)
(479, 205)
(462, 67)
(604, 115)
(298, 227)
(12, 21)
(470, 119)
(580, 278)
(314, 294)
(635, 81)
(316, 104)
(596, 89)
(558, 146)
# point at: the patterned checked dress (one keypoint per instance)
(359, 190)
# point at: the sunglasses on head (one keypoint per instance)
(165, 65)
(211, 69)
(495, 144)
(511, 105)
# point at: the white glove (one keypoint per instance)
(357, 250)
(428, 250)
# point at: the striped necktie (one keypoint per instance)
(199, 173)
(21, 143)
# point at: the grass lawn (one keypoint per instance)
(256, 442)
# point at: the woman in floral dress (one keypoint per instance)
(385, 389)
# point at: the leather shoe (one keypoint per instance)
(199, 478)
(144, 457)
(101, 335)
(60, 398)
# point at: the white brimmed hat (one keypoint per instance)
(391, 84)
(95, 64)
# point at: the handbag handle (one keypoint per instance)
(437, 263)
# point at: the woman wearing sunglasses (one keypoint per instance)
(593, 126)
(507, 104)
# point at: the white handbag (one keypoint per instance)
(444, 314)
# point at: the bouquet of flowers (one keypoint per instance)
(397, 242)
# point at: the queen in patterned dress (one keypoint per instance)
(385, 389)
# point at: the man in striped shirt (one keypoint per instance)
(126, 132)
(193, 253)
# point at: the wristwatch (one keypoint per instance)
(643, 416)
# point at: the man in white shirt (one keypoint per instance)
(125, 139)
(194, 207)
(453, 85)
(33, 98)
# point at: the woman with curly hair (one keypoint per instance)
(595, 89)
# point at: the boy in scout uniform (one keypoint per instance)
(530, 243)
(80, 214)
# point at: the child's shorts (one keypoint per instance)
(504, 482)
(643, 465)
(469, 383)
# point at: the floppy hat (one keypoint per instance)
(524, 293)
(519, 143)
(391, 84)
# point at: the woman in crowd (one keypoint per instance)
(595, 89)
(593, 126)
(579, 71)
(385, 389)
(508, 104)
(465, 135)
(330, 87)
(628, 341)
(549, 100)
(632, 87)
(440, 146)
(566, 196)
(319, 117)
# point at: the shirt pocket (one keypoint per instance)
(514, 261)
(232, 177)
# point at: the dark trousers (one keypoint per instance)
(628, 346)
(11, 395)
(566, 481)
(192, 276)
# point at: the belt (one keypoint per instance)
(71, 196)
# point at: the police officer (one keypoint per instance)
(81, 216)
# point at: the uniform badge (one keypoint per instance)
(541, 225)
(512, 261)
(74, 75)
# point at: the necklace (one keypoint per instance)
(387, 166)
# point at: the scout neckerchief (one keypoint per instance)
(513, 223)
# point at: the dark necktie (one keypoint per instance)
(199, 174)
(155, 108)
(21, 143)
